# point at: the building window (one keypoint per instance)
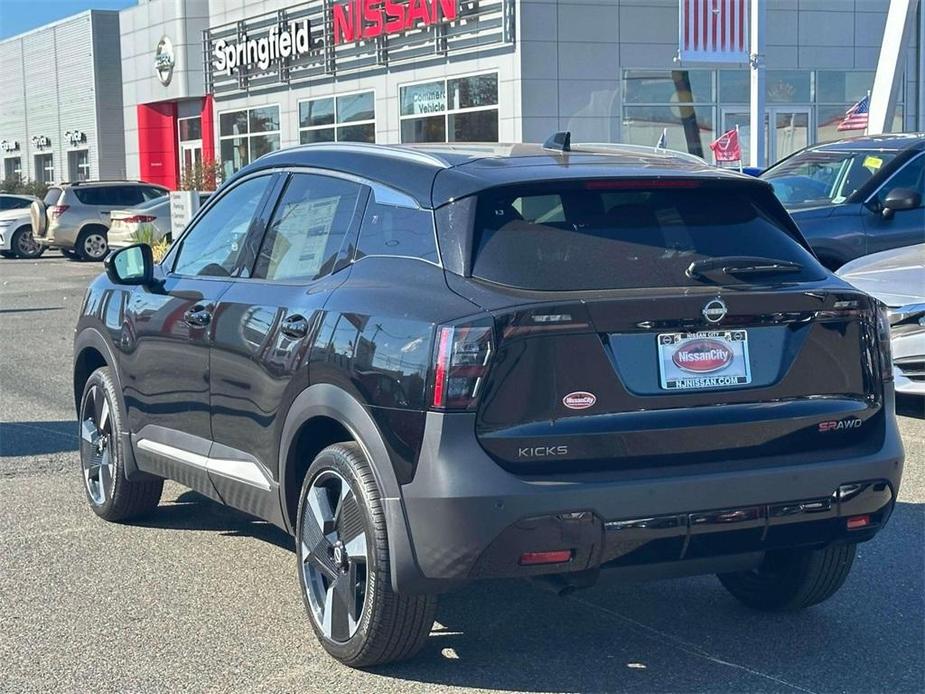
(45, 168)
(78, 165)
(346, 118)
(247, 135)
(12, 168)
(460, 109)
(190, 128)
(680, 102)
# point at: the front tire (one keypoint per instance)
(112, 497)
(24, 245)
(343, 565)
(792, 579)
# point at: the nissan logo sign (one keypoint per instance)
(715, 310)
(164, 60)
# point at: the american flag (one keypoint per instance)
(857, 116)
(714, 30)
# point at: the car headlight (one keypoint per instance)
(904, 318)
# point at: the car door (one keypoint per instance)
(167, 334)
(264, 328)
(903, 227)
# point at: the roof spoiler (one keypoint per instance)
(560, 142)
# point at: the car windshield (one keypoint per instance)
(817, 178)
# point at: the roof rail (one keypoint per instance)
(619, 147)
(408, 153)
(100, 180)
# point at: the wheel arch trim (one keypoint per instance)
(328, 400)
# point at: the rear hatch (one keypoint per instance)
(662, 323)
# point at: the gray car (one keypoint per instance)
(897, 278)
(75, 216)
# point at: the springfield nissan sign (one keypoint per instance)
(319, 39)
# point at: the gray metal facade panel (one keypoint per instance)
(49, 80)
(108, 77)
(13, 127)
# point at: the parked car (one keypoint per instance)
(434, 365)
(74, 217)
(127, 224)
(856, 196)
(16, 239)
(897, 278)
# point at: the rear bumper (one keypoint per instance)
(463, 517)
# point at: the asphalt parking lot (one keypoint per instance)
(202, 598)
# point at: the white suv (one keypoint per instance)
(75, 216)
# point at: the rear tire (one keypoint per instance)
(345, 578)
(102, 460)
(24, 245)
(793, 579)
(92, 244)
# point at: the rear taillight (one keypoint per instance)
(461, 358)
(58, 210)
(883, 343)
(139, 219)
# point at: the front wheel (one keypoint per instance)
(112, 497)
(343, 562)
(24, 244)
(792, 579)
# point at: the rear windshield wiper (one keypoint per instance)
(741, 265)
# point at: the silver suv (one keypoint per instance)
(75, 216)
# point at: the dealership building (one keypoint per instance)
(230, 80)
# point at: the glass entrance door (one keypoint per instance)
(190, 155)
(790, 133)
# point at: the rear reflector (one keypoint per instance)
(857, 522)
(559, 556)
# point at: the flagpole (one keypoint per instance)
(739, 140)
(757, 154)
(867, 127)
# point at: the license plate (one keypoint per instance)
(703, 360)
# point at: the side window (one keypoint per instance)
(6, 203)
(912, 175)
(20, 204)
(129, 196)
(213, 246)
(308, 227)
(153, 193)
(388, 230)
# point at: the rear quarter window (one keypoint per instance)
(609, 235)
(389, 230)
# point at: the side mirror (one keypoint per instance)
(133, 265)
(900, 199)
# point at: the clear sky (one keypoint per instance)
(17, 16)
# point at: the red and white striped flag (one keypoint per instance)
(713, 31)
(856, 117)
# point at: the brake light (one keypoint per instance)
(559, 556)
(883, 343)
(139, 219)
(461, 359)
(620, 184)
(58, 210)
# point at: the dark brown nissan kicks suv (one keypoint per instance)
(438, 364)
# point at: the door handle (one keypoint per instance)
(294, 326)
(198, 316)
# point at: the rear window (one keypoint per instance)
(51, 197)
(603, 235)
